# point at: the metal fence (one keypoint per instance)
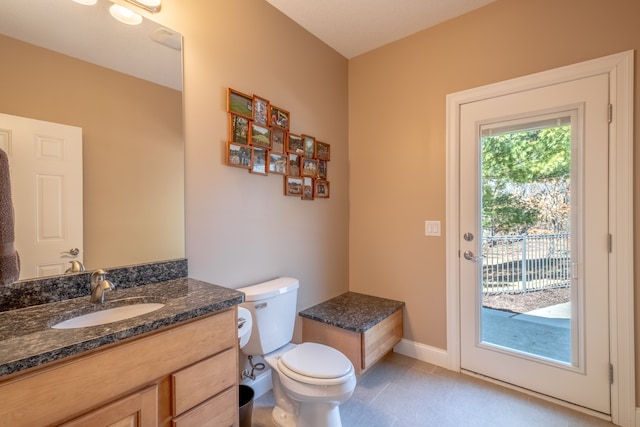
(518, 264)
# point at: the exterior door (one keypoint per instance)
(517, 350)
(46, 179)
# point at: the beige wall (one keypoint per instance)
(132, 149)
(397, 132)
(241, 229)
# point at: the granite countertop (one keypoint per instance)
(27, 339)
(353, 311)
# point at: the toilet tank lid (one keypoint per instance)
(269, 289)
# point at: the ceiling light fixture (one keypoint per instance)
(152, 6)
(86, 2)
(124, 15)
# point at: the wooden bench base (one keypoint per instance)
(363, 349)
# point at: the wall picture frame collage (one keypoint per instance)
(260, 141)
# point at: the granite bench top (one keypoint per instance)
(27, 339)
(353, 311)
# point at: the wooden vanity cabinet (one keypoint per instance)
(181, 376)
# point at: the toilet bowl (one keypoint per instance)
(309, 380)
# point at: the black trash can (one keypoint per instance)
(246, 405)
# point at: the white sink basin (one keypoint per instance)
(108, 316)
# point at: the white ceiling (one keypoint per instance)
(353, 27)
(148, 51)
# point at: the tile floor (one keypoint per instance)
(403, 392)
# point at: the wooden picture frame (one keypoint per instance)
(238, 155)
(321, 189)
(294, 164)
(295, 144)
(278, 140)
(277, 163)
(322, 169)
(308, 146)
(279, 117)
(307, 189)
(293, 186)
(259, 161)
(260, 111)
(260, 136)
(238, 129)
(240, 103)
(309, 167)
(323, 151)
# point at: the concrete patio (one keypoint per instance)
(544, 332)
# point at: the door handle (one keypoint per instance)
(72, 252)
(468, 255)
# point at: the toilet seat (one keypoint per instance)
(314, 363)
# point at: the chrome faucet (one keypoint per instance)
(76, 267)
(98, 285)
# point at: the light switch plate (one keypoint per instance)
(432, 228)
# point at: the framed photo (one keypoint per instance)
(260, 136)
(322, 189)
(292, 186)
(322, 169)
(240, 103)
(259, 161)
(309, 146)
(277, 163)
(238, 129)
(307, 189)
(323, 151)
(279, 117)
(260, 111)
(293, 165)
(310, 167)
(238, 155)
(295, 144)
(277, 140)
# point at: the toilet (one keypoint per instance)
(245, 324)
(309, 380)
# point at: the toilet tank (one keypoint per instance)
(273, 307)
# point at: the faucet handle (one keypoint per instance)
(76, 267)
(107, 285)
(98, 275)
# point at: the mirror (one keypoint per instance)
(74, 64)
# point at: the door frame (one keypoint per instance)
(620, 68)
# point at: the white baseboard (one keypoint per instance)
(425, 353)
(261, 384)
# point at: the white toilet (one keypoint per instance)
(309, 380)
(245, 325)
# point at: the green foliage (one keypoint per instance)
(516, 168)
(505, 212)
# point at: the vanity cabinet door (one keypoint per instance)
(139, 409)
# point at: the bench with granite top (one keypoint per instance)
(363, 327)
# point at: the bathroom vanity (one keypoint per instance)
(176, 366)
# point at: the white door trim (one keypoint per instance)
(621, 300)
